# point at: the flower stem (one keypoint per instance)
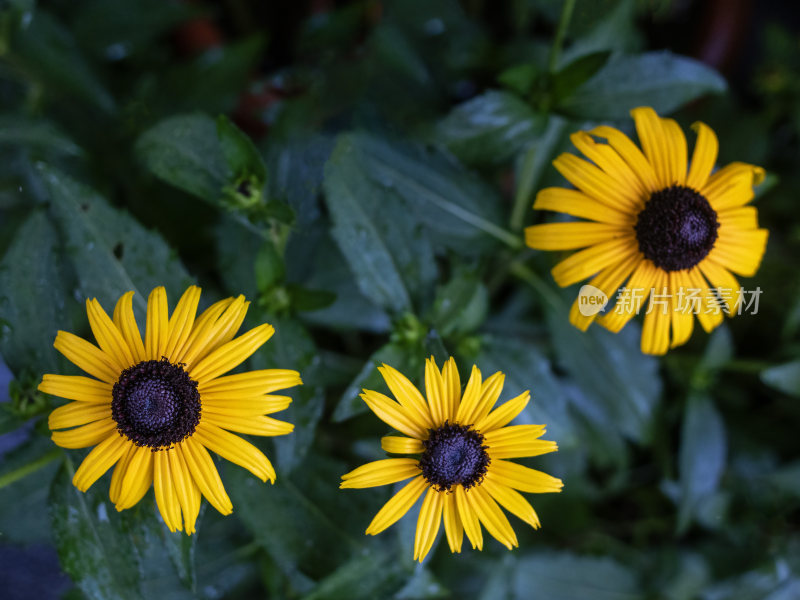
(561, 32)
(551, 298)
(29, 468)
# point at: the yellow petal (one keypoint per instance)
(78, 413)
(126, 323)
(589, 262)
(631, 154)
(157, 324)
(522, 478)
(137, 478)
(248, 407)
(434, 390)
(252, 383)
(233, 448)
(397, 506)
(451, 389)
(682, 319)
(99, 460)
(472, 395)
(452, 523)
(676, 152)
(492, 517)
(704, 156)
(504, 413)
(709, 314)
(205, 475)
(179, 327)
(740, 251)
(381, 472)
(186, 490)
(742, 217)
(511, 500)
(732, 185)
(108, 336)
(87, 356)
(231, 354)
(118, 475)
(570, 236)
(407, 395)
(518, 441)
(401, 445)
(166, 495)
(217, 328)
(254, 425)
(597, 184)
(578, 204)
(608, 281)
(655, 331)
(76, 387)
(605, 157)
(654, 143)
(721, 279)
(469, 518)
(630, 298)
(85, 435)
(430, 518)
(394, 415)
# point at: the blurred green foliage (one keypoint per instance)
(362, 171)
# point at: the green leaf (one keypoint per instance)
(621, 385)
(114, 555)
(702, 455)
(489, 129)
(460, 305)
(372, 575)
(302, 540)
(185, 152)
(241, 155)
(565, 576)
(388, 254)
(460, 211)
(214, 161)
(23, 500)
(48, 53)
(567, 80)
(785, 378)
(111, 253)
(662, 80)
(32, 296)
(312, 253)
(38, 133)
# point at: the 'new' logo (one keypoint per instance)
(591, 300)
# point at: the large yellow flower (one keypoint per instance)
(152, 407)
(671, 229)
(462, 447)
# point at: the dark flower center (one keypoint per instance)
(454, 454)
(155, 404)
(677, 228)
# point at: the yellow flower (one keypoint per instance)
(154, 407)
(671, 229)
(462, 447)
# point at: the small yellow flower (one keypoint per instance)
(462, 447)
(669, 228)
(154, 407)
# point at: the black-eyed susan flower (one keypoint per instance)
(154, 407)
(460, 449)
(659, 228)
